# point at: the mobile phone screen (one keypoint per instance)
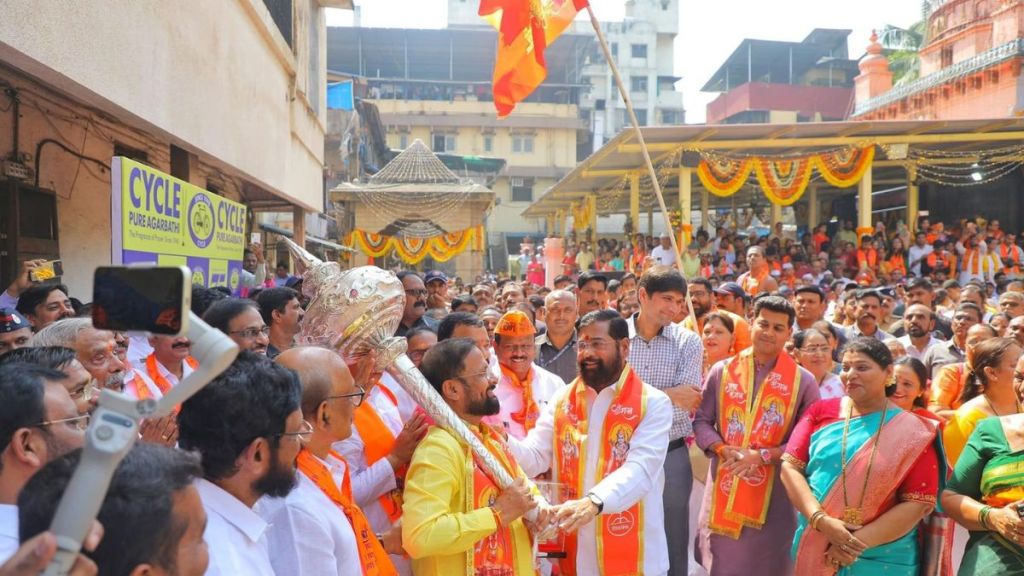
(145, 299)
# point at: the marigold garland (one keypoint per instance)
(413, 250)
(783, 180)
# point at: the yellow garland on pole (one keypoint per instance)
(844, 168)
(413, 250)
(783, 181)
(724, 176)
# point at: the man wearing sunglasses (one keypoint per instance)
(319, 528)
(247, 426)
(38, 423)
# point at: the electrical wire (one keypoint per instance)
(59, 144)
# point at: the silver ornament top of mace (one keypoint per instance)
(357, 310)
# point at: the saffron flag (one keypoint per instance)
(525, 29)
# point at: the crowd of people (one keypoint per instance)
(816, 406)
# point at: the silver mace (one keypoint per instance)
(358, 310)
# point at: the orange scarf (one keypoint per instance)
(143, 392)
(527, 417)
(372, 556)
(378, 441)
(619, 536)
(896, 263)
(868, 258)
(495, 554)
(751, 422)
(751, 282)
(972, 258)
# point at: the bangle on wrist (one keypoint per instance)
(815, 518)
(983, 517)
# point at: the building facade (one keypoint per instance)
(772, 82)
(970, 67)
(226, 95)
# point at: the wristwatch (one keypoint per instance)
(597, 501)
(766, 455)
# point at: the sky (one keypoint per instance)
(709, 30)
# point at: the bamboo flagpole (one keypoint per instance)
(643, 149)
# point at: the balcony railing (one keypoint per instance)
(974, 64)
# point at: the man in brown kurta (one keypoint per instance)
(763, 551)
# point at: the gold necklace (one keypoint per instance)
(851, 515)
(993, 408)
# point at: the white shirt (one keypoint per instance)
(831, 387)
(235, 534)
(8, 531)
(142, 378)
(406, 405)
(640, 476)
(914, 352)
(544, 385)
(917, 254)
(309, 534)
(369, 483)
(664, 256)
(138, 348)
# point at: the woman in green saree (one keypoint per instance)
(986, 491)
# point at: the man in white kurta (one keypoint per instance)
(168, 364)
(371, 482)
(524, 388)
(235, 532)
(603, 350)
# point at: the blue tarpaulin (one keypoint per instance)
(339, 95)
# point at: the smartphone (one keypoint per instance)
(154, 299)
(47, 271)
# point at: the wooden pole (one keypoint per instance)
(643, 146)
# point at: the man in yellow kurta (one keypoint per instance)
(455, 520)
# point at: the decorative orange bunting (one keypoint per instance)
(413, 250)
(783, 180)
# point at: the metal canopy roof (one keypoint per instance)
(602, 173)
(445, 55)
(769, 60)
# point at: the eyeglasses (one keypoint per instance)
(816, 350)
(356, 397)
(250, 333)
(416, 292)
(87, 392)
(466, 379)
(80, 423)
(305, 431)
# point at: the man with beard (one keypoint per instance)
(627, 424)
(747, 523)
(524, 388)
(592, 288)
(455, 520)
(282, 312)
(556, 348)
(466, 325)
(94, 348)
(730, 297)
(967, 314)
(921, 291)
(701, 295)
(484, 295)
(866, 314)
(414, 315)
(319, 528)
(918, 322)
(241, 320)
(247, 427)
(15, 331)
(38, 423)
(44, 304)
(151, 515)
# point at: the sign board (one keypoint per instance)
(161, 220)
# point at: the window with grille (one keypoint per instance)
(522, 189)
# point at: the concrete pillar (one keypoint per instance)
(913, 198)
(705, 211)
(686, 205)
(634, 201)
(864, 224)
(551, 224)
(776, 215)
(812, 206)
(592, 211)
